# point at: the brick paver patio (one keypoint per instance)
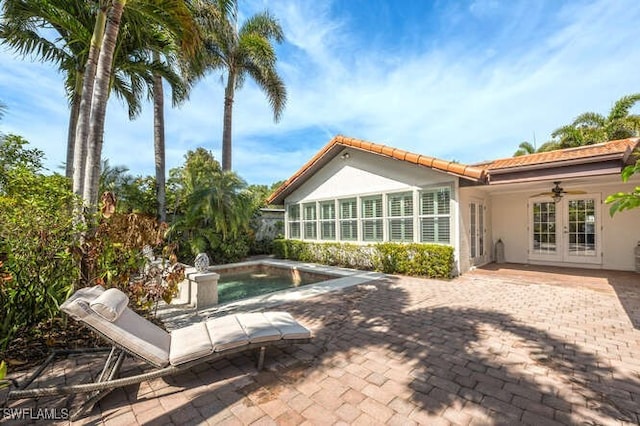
(495, 346)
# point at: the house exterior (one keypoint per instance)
(545, 208)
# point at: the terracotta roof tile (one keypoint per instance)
(613, 149)
(618, 147)
(411, 157)
(469, 172)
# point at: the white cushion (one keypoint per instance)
(110, 304)
(226, 333)
(129, 330)
(288, 326)
(87, 294)
(258, 327)
(189, 343)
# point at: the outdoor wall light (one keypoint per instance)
(345, 156)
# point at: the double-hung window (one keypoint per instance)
(372, 223)
(328, 220)
(309, 221)
(349, 220)
(435, 216)
(400, 217)
(294, 221)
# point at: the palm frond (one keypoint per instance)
(622, 106)
(263, 24)
(589, 119)
(273, 87)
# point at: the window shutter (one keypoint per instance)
(428, 230)
(428, 200)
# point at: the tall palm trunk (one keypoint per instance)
(84, 114)
(229, 93)
(99, 104)
(73, 123)
(159, 142)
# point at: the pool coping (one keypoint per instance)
(179, 314)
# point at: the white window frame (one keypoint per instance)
(296, 221)
(406, 221)
(377, 221)
(438, 217)
(327, 221)
(309, 223)
(351, 220)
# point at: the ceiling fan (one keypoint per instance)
(557, 192)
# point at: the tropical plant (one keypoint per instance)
(524, 148)
(38, 252)
(590, 127)
(621, 201)
(213, 211)
(117, 258)
(134, 194)
(241, 53)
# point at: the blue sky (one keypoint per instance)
(459, 80)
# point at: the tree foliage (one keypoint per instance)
(621, 201)
(213, 209)
(590, 128)
(38, 250)
(240, 52)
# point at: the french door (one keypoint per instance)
(565, 231)
(477, 230)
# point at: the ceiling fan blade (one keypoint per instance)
(575, 192)
(548, 194)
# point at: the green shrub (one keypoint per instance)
(426, 260)
(38, 253)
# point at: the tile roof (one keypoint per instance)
(612, 150)
(457, 169)
(589, 153)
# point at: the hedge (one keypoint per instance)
(425, 260)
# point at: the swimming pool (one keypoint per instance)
(243, 282)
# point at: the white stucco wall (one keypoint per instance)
(619, 234)
(509, 218)
(365, 173)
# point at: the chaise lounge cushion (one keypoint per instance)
(110, 304)
(288, 326)
(226, 333)
(258, 328)
(189, 343)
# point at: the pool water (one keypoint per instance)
(260, 280)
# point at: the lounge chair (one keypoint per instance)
(107, 313)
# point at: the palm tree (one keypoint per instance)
(21, 30)
(590, 127)
(245, 52)
(524, 148)
(25, 29)
(215, 206)
(173, 15)
(621, 124)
